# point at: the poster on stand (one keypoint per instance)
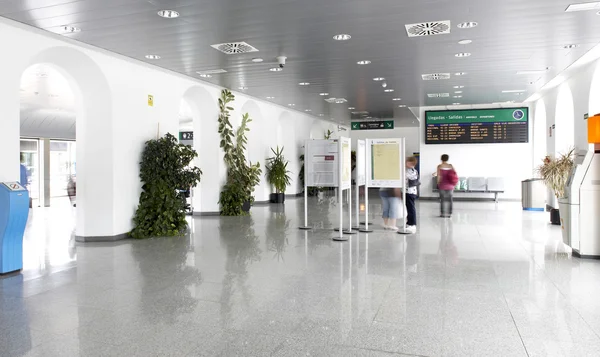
(321, 163)
(346, 164)
(361, 162)
(385, 163)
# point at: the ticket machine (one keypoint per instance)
(14, 210)
(581, 226)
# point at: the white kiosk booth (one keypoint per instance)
(581, 222)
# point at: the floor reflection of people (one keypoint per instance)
(412, 253)
(165, 259)
(242, 250)
(447, 248)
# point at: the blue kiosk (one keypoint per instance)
(14, 210)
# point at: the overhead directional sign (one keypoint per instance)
(373, 125)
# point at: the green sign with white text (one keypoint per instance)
(373, 125)
(502, 115)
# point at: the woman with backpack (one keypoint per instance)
(447, 180)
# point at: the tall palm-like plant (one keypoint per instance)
(277, 174)
(555, 172)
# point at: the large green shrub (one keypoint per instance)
(242, 175)
(164, 171)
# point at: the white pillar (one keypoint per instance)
(9, 125)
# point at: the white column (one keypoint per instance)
(45, 173)
(9, 126)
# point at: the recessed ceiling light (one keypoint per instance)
(276, 69)
(304, 84)
(243, 88)
(402, 106)
(323, 94)
(292, 105)
(257, 60)
(459, 87)
(465, 42)
(463, 54)
(362, 63)
(351, 108)
(71, 29)
(568, 47)
(270, 98)
(340, 100)
(460, 73)
(467, 25)
(321, 115)
(585, 6)
(378, 79)
(396, 99)
(455, 103)
(458, 96)
(152, 57)
(388, 90)
(458, 92)
(514, 91)
(168, 14)
(204, 75)
(342, 37)
(308, 110)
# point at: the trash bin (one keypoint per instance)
(533, 195)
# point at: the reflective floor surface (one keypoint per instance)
(491, 281)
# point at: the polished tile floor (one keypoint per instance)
(492, 281)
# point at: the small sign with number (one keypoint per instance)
(186, 135)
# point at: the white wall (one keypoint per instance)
(114, 120)
(513, 162)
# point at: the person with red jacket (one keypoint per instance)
(447, 180)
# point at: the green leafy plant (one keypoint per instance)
(276, 171)
(242, 175)
(164, 171)
(555, 172)
(327, 135)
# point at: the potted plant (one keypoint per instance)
(277, 175)
(555, 173)
(242, 176)
(165, 174)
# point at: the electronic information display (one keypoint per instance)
(477, 126)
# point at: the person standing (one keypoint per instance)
(447, 180)
(390, 200)
(412, 182)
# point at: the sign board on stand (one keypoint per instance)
(345, 183)
(385, 168)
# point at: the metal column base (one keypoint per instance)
(305, 228)
(340, 239)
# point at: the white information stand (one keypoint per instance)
(361, 176)
(345, 183)
(386, 168)
(321, 168)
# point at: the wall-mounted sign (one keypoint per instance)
(373, 125)
(186, 135)
(586, 116)
(150, 100)
(550, 131)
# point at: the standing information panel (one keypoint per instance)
(345, 183)
(14, 211)
(321, 168)
(385, 168)
(361, 174)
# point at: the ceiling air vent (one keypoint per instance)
(336, 100)
(234, 48)
(428, 28)
(435, 76)
(438, 95)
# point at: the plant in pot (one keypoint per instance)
(242, 176)
(555, 173)
(165, 173)
(277, 175)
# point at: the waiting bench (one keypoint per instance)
(493, 185)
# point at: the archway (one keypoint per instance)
(286, 138)
(595, 92)
(539, 133)
(93, 112)
(201, 108)
(564, 132)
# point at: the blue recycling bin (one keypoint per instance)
(14, 210)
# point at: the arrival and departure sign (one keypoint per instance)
(477, 126)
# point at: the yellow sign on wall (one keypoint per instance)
(150, 100)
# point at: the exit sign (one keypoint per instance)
(373, 125)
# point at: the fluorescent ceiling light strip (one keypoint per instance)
(514, 91)
(585, 6)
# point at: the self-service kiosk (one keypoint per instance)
(14, 210)
(580, 222)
